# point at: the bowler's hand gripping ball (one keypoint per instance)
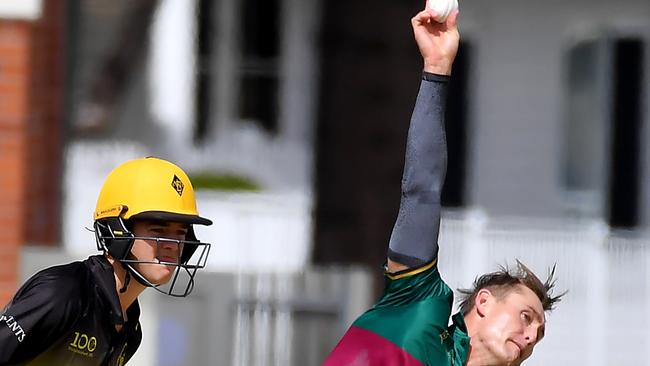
(443, 8)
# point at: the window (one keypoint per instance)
(603, 119)
(258, 97)
(204, 48)
(239, 59)
(587, 130)
(626, 124)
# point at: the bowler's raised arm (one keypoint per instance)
(414, 240)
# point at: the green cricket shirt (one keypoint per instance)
(407, 327)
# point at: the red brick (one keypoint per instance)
(12, 161)
(14, 110)
(8, 90)
(9, 258)
(12, 218)
(11, 134)
(9, 180)
(9, 263)
(20, 69)
(14, 35)
(13, 235)
(14, 87)
(12, 57)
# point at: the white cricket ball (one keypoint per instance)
(443, 8)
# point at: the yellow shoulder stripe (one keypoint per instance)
(411, 272)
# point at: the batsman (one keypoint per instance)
(87, 313)
(501, 318)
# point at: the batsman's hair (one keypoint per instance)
(506, 280)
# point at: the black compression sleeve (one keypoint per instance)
(414, 240)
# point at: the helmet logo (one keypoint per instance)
(178, 185)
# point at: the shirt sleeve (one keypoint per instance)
(41, 312)
(414, 240)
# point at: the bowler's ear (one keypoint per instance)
(483, 301)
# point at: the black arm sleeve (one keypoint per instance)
(414, 241)
(42, 311)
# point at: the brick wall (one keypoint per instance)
(31, 78)
(45, 127)
(14, 96)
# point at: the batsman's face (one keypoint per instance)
(164, 253)
(512, 325)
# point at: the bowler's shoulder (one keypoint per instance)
(416, 285)
(426, 270)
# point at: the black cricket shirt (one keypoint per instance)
(66, 316)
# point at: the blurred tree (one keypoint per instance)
(369, 79)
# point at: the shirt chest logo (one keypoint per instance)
(14, 327)
(445, 341)
(83, 344)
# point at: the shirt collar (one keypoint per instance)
(104, 276)
(461, 339)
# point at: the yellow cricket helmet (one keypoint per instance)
(148, 188)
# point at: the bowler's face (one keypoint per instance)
(513, 326)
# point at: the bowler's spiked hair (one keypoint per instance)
(505, 280)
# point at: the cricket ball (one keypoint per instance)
(442, 8)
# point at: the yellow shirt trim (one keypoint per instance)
(411, 272)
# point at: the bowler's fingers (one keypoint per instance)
(426, 16)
